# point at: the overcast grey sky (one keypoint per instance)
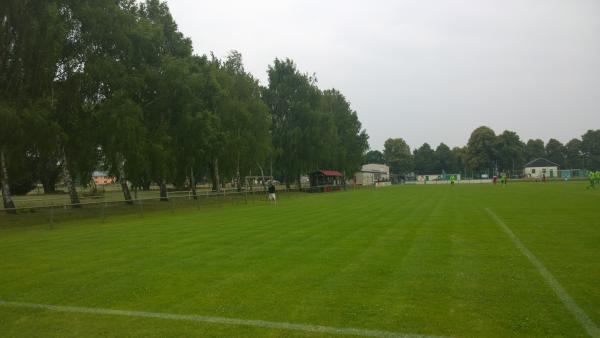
(426, 71)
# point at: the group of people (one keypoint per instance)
(503, 179)
(594, 177)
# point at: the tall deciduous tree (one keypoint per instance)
(459, 159)
(164, 97)
(293, 99)
(244, 119)
(481, 151)
(31, 33)
(350, 141)
(556, 152)
(534, 149)
(374, 156)
(443, 159)
(510, 151)
(398, 156)
(114, 84)
(590, 146)
(424, 158)
(7, 137)
(574, 154)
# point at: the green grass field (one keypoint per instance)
(414, 260)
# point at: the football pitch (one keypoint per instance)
(406, 261)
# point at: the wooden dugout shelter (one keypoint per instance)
(325, 180)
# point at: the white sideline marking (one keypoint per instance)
(219, 320)
(567, 300)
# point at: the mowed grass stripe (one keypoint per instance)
(398, 267)
(585, 321)
(304, 230)
(362, 257)
(414, 259)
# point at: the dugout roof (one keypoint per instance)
(333, 173)
(540, 162)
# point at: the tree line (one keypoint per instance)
(113, 85)
(486, 152)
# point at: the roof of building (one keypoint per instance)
(540, 162)
(375, 164)
(99, 173)
(330, 173)
(375, 167)
(373, 171)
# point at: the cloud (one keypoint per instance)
(427, 71)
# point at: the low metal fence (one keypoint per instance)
(53, 210)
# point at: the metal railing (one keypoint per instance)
(54, 210)
(58, 212)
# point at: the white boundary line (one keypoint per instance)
(567, 300)
(218, 320)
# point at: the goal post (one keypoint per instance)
(252, 181)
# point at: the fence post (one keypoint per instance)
(141, 203)
(51, 216)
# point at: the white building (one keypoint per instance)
(372, 173)
(541, 167)
(102, 178)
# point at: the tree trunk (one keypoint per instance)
(49, 185)
(124, 186)
(262, 178)
(126, 192)
(49, 175)
(9, 205)
(214, 175)
(163, 191)
(239, 178)
(193, 183)
(287, 181)
(70, 184)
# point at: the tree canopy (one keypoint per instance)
(486, 152)
(115, 86)
(398, 156)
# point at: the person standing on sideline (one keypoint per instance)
(272, 196)
(452, 179)
(592, 178)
